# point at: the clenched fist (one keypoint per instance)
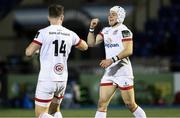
(94, 23)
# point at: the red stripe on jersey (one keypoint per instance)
(41, 100)
(59, 97)
(37, 42)
(127, 39)
(100, 33)
(126, 88)
(78, 42)
(106, 84)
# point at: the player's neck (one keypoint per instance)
(55, 21)
(115, 25)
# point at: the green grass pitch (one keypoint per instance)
(83, 113)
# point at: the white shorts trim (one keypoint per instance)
(122, 82)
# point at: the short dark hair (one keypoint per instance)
(55, 10)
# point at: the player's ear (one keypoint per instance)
(62, 17)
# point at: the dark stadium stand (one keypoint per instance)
(6, 6)
(160, 37)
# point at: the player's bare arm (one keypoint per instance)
(91, 39)
(82, 45)
(32, 49)
(128, 49)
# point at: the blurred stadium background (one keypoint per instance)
(156, 58)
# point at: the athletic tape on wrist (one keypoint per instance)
(114, 59)
(91, 30)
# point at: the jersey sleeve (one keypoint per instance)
(75, 39)
(38, 38)
(126, 35)
(102, 32)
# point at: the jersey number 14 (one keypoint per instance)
(62, 48)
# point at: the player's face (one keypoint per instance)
(112, 18)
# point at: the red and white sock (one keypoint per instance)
(100, 114)
(139, 113)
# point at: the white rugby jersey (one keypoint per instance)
(56, 42)
(113, 38)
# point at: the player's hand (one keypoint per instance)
(94, 23)
(106, 63)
